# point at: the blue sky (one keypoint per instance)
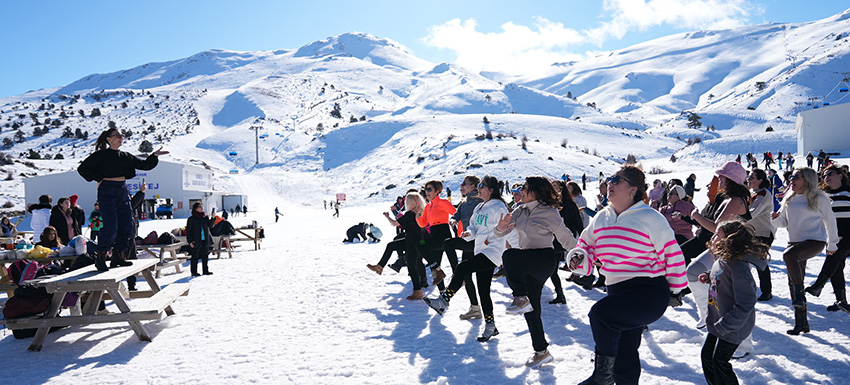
(53, 43)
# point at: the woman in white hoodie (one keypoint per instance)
(40, 215)
(488, 251)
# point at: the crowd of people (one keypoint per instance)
(650, 246)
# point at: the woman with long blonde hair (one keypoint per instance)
(808, 216)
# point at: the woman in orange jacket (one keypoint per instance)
(435, 221)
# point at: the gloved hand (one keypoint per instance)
(575, 258)
(676, 299)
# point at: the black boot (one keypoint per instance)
(100, 261)
(600, 282)
(118, 260)
(816, 287)
(586, 282)
(798, 297)
(840, 301)
(801, 322)
(603, 371)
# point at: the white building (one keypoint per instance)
(183, 184)
(824, 128)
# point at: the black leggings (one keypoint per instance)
(715, 361)
(483, 269)
(452, 244)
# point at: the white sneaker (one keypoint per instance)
(539, 358)
(489, 332)
(520, 305)
(473, 313)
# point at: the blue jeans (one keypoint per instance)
(114, 200)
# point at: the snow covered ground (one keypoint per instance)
(305, 310)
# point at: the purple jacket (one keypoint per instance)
(679, 226)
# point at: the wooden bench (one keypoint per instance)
(217, 249)
(88, 279)
(251, 234)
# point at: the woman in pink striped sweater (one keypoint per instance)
(644, 270)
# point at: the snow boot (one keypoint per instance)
(603, 371)
(473, 313)
(397, 265)
(798, 297)
(439, 304)
(520, 305)
(490, 331)
(539, 358)
(100, 261)
(801, 321)
(840, 302)
(700, 292)
(417, 295)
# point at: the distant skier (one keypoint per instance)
(276, 214)
(238, 209)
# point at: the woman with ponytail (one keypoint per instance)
(488, 251)
(110, 167)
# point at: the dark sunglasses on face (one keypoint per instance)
(614, 180)
(428, 189)
(524, 187)
(794, 177)
(828, 174)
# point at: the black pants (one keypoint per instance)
(415, 268)
(397, 245)
(618, 320)
(483, 269)
(450, 246)
(200, 251)
(833, 268)
(764, 275)
(695, 246)
(715, 356)
(432, 249)
(527, 271)
(796, 256)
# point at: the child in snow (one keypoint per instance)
(732, 297)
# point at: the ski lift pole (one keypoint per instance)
(256, 144)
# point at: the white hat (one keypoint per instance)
(678, 190)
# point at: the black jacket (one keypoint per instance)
(57, 220)
(194, 227)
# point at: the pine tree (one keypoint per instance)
(693, 120)
(145, 147)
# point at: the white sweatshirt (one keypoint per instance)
(484, 219)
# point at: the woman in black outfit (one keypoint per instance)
(66, 224)
(110, 167)
(572, 219)
(414, 204)
(199, 238)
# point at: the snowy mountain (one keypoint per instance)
(738, 80)
(363, 115)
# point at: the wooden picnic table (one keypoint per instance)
(250, 234)
(167, 254)
(88, 279)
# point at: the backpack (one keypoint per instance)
(167, 239)
(28, 301)
(151, 239)
(24, 270)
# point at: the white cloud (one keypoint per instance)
(525, 49)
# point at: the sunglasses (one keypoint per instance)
(828, 174)
(524, 187)
(480, 185)
(794, 177)
(614, 180)
(428, 189)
